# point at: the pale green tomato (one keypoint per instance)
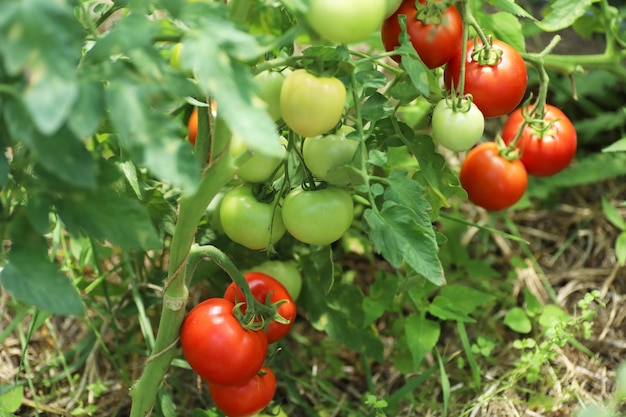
(326, 155)
(392, 6)
(270, 83)
(258, 168)
(346, 21)
(457, 129)
(286, 272)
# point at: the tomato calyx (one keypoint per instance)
(485, 54)
(264, 192)
(431, 13)
(510, 152)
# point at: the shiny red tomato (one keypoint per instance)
(547, 145)
(435, 43)
(247, 398)
(491, 180)
(262, 286)
(216, 345)
(497, 88)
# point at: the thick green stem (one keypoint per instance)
(192, 207)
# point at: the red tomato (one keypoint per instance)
(261, 286)
(547, 145)
(435, 43)
(496, 89)
(492, 181)
(217, 347)
(245, 399)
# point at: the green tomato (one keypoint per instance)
(270, 84)
(248, 221)
(258, 168)
(311, 105)
(326, 155)
(318, 217)
(346, 21)
(392, 6)
(286, 272)
(457, 129)
(175, 56)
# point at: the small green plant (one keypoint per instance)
(615, 406)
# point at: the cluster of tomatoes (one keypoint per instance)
(542, 143)
(231, 355)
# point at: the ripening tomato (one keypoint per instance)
(326, 155)
(435, 42)
(192, 126)
(216, 345)
(311, 105)
(547, 145)
(496, 87)
(457, 129)
(252, 223)
(491, 180)
(262, 286)
(318, 217)
(346, 21)
(247, 398)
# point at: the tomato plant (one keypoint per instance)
(320, 216)
(216, 345)
(457, 128)
(324, 155)
(257, 168)
(262, 287)
(547, 145)
(247, 398)
(246, 220)
(436, 42)
(270, 83)
(346, 21)
(495, 76)
(286, 272)
(311, 105)
(491, 180)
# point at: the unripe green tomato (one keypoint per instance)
(249, 222)
(456, 129)
(286, 272)
(270, 84)
(324, 155)
(258, 168)
(392, 6)
(346, 21)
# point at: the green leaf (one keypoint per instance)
(446, 309)
(4, 170)
(620, 383)
(422, 335)
(551, 315)
(402, 231)
(563, 13)
(152, 136)
(88, 109)
(511, 7)
(43, 39)
(377, 107)
(464, 298)
(613, 215)
(11, 397)
(222, 73)
(104, 214)
(617, 146)
(381, 295)
(504, 27)
(620, 248)
(34, 280)
(593, 410)
(517, 320)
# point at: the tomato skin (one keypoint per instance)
(496, 89)
(270, 84)
(492, 181)
(217, 347)
(192, 126)
(547, 154)
(258, 168)
(318, 217)
(324, 154)
(247, 398)
(261, 286)
(286, 272)
(456, 130)
(311, 105)
(249, 222)
(346, 21)
(436, 44)
(392, 6)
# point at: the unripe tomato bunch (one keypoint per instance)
(230, 355)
